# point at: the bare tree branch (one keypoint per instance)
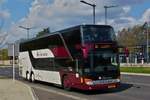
(2, 36)
(3, 41)
(1, 24)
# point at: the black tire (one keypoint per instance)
(27, 76)
(65, 83)
(32, 78)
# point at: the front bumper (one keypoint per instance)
(99, 84)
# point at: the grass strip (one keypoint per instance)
(145, 70)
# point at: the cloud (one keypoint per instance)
(4, 14)
(2, 1)
(124, 22)
(130, 2)
(120, 23)
(126, 9)
(146, 16)
(59, 14)
(68, 12)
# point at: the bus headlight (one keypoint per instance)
(88, 81)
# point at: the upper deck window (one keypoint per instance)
(98, 34)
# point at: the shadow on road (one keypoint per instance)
(122, 87)
(7, 73)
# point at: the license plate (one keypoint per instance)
(112, 86)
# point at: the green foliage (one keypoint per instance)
(135, 69)
(132, 37)
(45, 31)
(4, 54)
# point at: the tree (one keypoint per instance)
(131, 37)
(4, 54)
(45, 31)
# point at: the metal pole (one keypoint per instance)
(105, 15)
(94, 14)
(93, 5)
(27, 33)
(147, 45)
(28, 29)
(106, 7)
(13, 62)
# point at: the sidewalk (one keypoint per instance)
(134, 65)
(16, 90)
(138, 74)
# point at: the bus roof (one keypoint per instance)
(61, 31)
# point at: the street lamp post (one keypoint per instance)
(106, 7)
(26, 28)
(11, 53)
(147, 45)
(146, 27)
(13, 62)
(93, 5)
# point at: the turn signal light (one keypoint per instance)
(81, 79)
(87, 80)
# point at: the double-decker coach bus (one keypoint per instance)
(83, 57)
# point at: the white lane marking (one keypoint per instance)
(34, 97)
(141, 84)
(34, 94)
(60, 93)
(138, 74)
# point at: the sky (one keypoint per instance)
(60, 14)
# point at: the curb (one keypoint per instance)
(29, 89)
(35, 96)
(61, 93)
(32, 93)
(138, 74)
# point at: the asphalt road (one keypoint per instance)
(132, 88)
(8, 72)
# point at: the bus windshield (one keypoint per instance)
(98, 34)
(101, 62)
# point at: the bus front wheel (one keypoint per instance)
(66, 83)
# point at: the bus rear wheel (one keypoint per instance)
(27, 76)
(32, 78)
(66, 83)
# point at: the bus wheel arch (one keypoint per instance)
(27, 76)
(66, 83)
(64, 75)
(32, 77)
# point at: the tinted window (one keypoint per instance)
(101, 61)
(98, 34)
(72, 39)
(43, 63)
(41, 43)
(64, 64)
